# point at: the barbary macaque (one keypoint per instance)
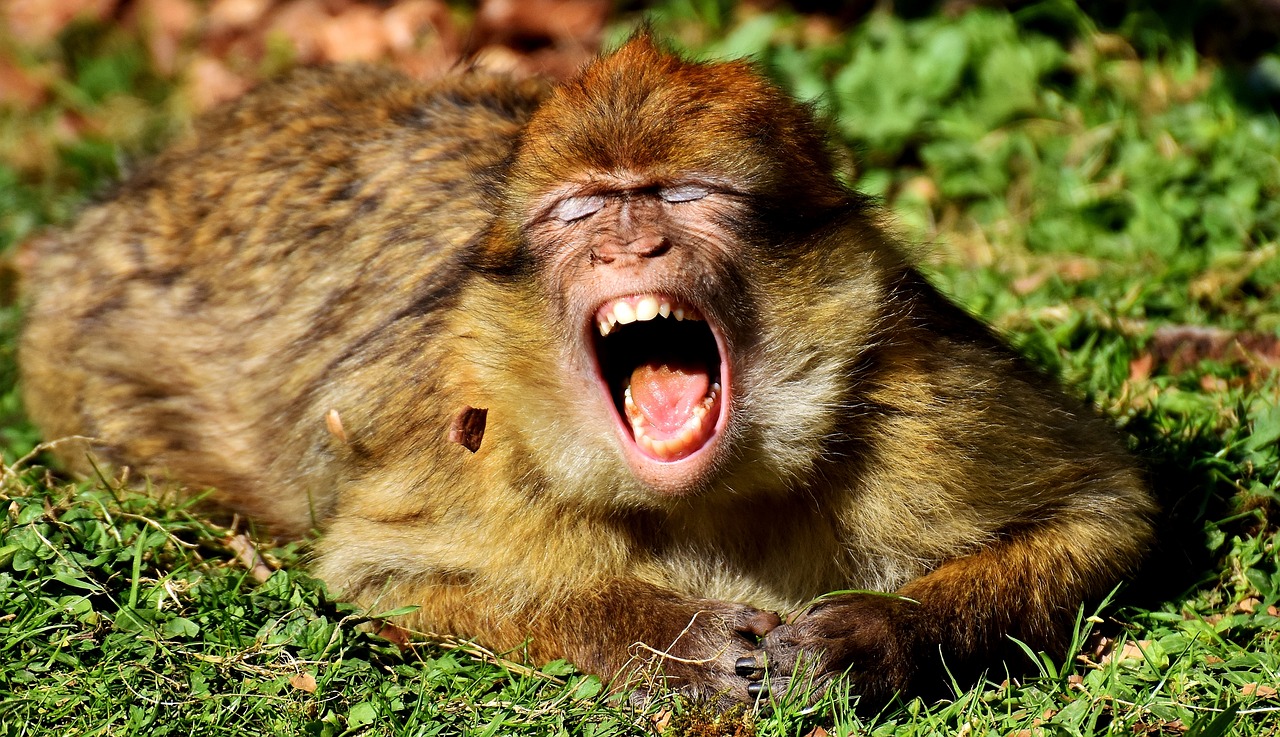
(616, 369)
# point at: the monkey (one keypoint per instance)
(616, 370)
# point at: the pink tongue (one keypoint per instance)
(667, 393)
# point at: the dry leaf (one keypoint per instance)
(356, 34)
(38, 21)
(303, 682)
(572, 21)
(247, 555)
(1259, 690)
(235, 15)
(1248, 605)
(212, 82)
(1182, 346)
(20, 88)
(661, 720)
(1130, 651)
(1140, 367)
(405, 23)
(817, 732)
(165, 25)
(395, 634)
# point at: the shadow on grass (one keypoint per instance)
(1185, 473)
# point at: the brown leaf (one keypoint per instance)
(213, 82)
(303, 682)
(301, 23)
(1259, 690)
(236, 15)
(1140, 367)
(38, 21)
(563, 22)
(1183, 346)
(406, 23)
(817, 732)
(1248, 604)
(247, 555)
(166, 24)
(20, 88)
(355, 34)
(1129, 651)
(397, 635)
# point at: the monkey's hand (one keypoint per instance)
(867, 638)
(703, 643)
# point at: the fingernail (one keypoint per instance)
(746, 666)
(756, 689)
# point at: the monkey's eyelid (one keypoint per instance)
(576, 208)
(684, 193)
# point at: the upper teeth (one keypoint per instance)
(641, 308)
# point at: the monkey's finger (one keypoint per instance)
(759, 624)
(751, 666)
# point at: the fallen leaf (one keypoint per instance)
(165, 25)
(212, 82)
(1248, 604)
(661, 720)
(1259, 690)
(38, 21)
(233, 15)
(303, 682)
(1131, 650)
(406, 23)
(817, 732)
(574, 21)
(356, 34)
(1183, 346)
(395, 634)
(1140, 367)
(247, 555)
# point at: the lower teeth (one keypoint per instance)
(693, 432)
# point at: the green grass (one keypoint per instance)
(1084, 188)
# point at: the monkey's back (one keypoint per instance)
(192, 322)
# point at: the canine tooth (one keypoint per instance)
(646, 309)
(605, 326)
(624, 313)
(664, 309)
(678, 312)
(715, 388)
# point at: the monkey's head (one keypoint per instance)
(669, 223)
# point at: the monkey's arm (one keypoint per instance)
(960, 616)
(544, 594)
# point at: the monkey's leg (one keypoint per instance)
(625, 629)
(958, 620)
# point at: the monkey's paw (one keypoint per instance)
(866, 638)
(702, 664)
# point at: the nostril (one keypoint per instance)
(649, 246)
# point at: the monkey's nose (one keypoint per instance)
(648, 246)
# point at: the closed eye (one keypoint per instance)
(576, 208)
(683, 193)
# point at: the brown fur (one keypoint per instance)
(294, 304)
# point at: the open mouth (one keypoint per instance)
(661, 362)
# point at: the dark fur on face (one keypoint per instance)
(313, 301)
